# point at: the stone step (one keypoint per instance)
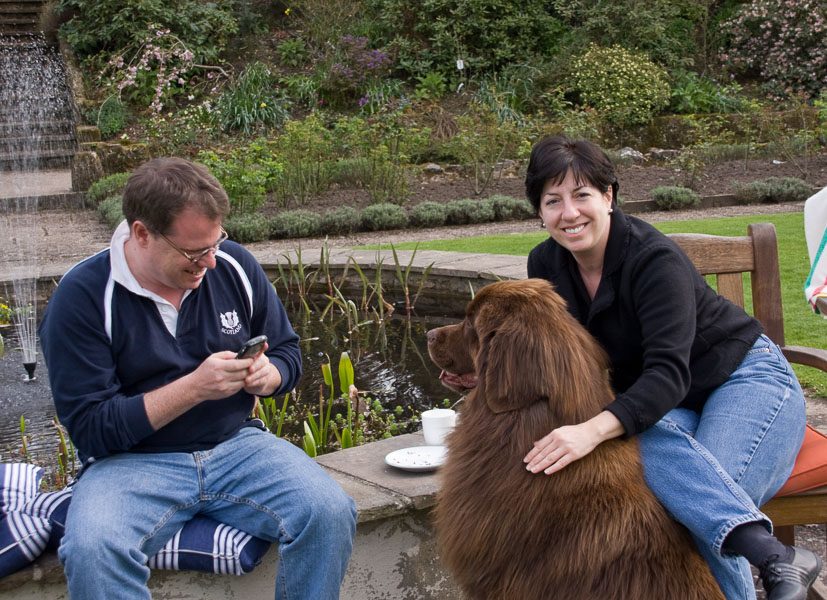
(15, 10)
(22, 41)
(38, 148)
(53, 109)
(19, 15)
(57, 126)
(31, 149)
(50, 138)
(29, 161)
(17, 28)
(59, 110)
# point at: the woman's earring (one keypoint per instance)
(542, 224)
(611, 210)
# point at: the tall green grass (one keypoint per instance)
(802, 327)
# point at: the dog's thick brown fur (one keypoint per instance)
(592, 531)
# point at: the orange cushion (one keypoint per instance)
(810, 469)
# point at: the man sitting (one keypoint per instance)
(140, 341)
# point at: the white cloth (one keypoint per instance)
(815, 230)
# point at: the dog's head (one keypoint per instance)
(520, 345)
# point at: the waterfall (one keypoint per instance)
(34, 115)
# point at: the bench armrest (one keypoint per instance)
(802, 355)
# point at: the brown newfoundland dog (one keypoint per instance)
(592, 531)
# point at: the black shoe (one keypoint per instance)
(789, 580)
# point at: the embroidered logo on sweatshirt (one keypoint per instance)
(229, 322)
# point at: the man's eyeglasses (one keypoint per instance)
(201, 254)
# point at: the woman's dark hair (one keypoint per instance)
(553, 157)
(161, 189)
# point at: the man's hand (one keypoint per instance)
(263, 378)
(219, 376)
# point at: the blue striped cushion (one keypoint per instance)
(31, 521)
(23, 536)
(207, 545)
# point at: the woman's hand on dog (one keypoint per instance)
(567, 444)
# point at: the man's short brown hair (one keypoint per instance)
(162, 188)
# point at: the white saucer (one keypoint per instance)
(418, 458)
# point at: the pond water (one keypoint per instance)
(390, 361)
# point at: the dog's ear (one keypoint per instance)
(531, 349)
(510, 369)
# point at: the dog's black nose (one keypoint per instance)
(432, 335)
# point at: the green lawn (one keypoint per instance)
(802, 327)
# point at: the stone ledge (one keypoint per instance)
(381, 493)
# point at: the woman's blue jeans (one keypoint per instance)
(712, 470)
(125, 507)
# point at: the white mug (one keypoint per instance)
(436, 424)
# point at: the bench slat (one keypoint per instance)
(713, 254)
(766, 282)
(731, 287)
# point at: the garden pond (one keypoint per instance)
(392, 371)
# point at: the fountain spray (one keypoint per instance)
(33, 92)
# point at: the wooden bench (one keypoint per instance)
(757, 254)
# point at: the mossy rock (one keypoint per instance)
(86, 170)
(87, 133)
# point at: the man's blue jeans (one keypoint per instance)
(711, 471)
(125, 507)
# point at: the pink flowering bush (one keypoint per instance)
(147, 51)
(159, 69)
(784, 42)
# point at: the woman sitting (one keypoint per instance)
(718, 411)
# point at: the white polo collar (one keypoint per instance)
(122, 275)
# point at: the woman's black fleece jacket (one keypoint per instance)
(670, 338)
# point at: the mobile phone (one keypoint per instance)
(252, 347)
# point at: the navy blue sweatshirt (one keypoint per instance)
(105, 346)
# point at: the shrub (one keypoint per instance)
(775, 189)
(508, 208)
(355, 66)
(148, 50)
(428, 214)
(431, 86)
(663, 30)
(352, 172)
(179, 133)
(111, 117)
(382, 216)
(675, 197)
(306, 149)
(252, 102)
(120, 25)
(104, 187)
(388, 144)
(481, 141)
(468, 211)
(111, 210)
(693, 93)
(253, 227)
(784, 43)
(627, 88)
(302, 89)
(341, 221)
(242, 179)
(295, 224)
(486, 34)
(292, 52)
